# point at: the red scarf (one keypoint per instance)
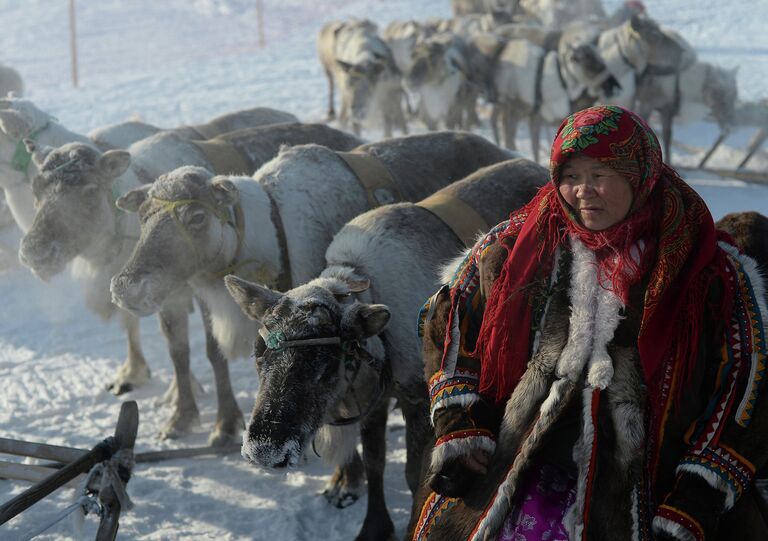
(675, 225)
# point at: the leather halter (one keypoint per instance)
(353, 355)
(236, 222)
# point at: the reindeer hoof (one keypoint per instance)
(227, 433)
(128, 378)
(180, 425)
(223, 439)
(340, 495)
(117, 388)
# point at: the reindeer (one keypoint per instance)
(691, 95)
(637, 46)
(360, 62)
(531, 82)
(76, 221)
(290, 210)
(332, 351)
(20, 119)
(446, 81)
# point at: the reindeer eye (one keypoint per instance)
(197, 218)
(90, 189)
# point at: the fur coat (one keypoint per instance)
(581, 403)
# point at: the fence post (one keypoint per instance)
(260, 21)
(73, 41)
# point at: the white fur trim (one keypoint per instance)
(594, 319)
(664, 525)
(464, 400)
(583, 293)
(713, 480)
(460, 447)
(582, 455)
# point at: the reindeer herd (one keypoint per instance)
(538, 60)
(306, 246)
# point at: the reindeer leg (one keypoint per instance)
(377, 524)
(509, 119)
(134, 372)
(414, 403)
(534, 125)
(495, 113)
(229, 418)
(331, 111)
(174, 322)
(347, 483)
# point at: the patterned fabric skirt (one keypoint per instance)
(542, 502)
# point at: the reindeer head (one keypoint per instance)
(74, 201)
(186, 219)
(309, 354)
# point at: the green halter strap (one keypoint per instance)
(21, 156)
(236, 222)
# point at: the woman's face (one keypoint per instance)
(600, 196)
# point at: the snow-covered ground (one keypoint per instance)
(182, 61)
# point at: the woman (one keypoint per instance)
(596, 363)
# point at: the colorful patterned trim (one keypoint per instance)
(431, 511)
(682, 519)
(464, 434)
(732, 470)
(753, 334)
(459, 388)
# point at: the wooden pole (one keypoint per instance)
(73, 41)
(57, 453)
(30, 473)
(260, 21)
(125, 435)
(37, 492)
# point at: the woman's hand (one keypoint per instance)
(458, 474)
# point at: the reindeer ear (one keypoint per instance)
(39, 152)
(358, 286)
(224, 191)
(345, 66)
(114, 163)
(14, 125)
(364, 320)
(252, 298)
(131, 201)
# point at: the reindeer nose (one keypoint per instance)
(128, 291)
(34, 255)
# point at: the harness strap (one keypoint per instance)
(374, 177)
(284, 279)
(21, 156)
(462, 219)
(204, 131)
(224, 157)
(236, 221)
(537, 93)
